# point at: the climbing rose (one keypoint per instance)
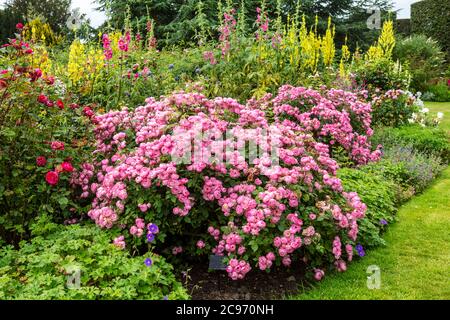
(52, 178)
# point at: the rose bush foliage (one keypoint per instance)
(42, 136)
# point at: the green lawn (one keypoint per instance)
(415, 263)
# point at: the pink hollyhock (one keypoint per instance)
(67, 166)
(41, 161)
(19, 26)
(52, 178)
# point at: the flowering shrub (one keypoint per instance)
(41, 135)
(255, 212)
(393, 107)
(338, 118)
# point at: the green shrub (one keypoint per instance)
(382, 74)
(422, 168)
(423, 139)
(396, 172)
(438, 92)
(41, 269)
(377, 193)
(424, 58)
(393, 108)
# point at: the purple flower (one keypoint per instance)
(383, 222)
(150, 237)
(148, 262)
(359, 248)
(153, 228)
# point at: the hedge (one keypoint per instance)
(432, 18)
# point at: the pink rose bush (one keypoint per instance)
(178, 164)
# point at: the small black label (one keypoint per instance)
(216, 263)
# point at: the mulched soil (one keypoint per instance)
(257, 285)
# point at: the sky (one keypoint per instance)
(97, 18)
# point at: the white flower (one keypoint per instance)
(425, 110)
(414, 116)
(411, 120)
(440, 115)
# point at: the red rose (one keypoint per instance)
(52, 178)
(57, 145)
(49, 103)
(19, 26)
(60, 104)
(29, 51)
(74, 106)
(88, 112)
(67, 166)
(50, 80)
(41, 161)
(42, 98)
(35, 74)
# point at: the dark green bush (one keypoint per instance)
(428, 140)
(377, 193)
(41, 269)
(383, 74)
(430, 17)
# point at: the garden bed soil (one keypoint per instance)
(257, 285)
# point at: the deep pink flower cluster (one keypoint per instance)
(226, 30)
(274, 203)
(262, 21)
(329, 116)
(209, 56)
(124, 42)
(107, 49)
(237, 269)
